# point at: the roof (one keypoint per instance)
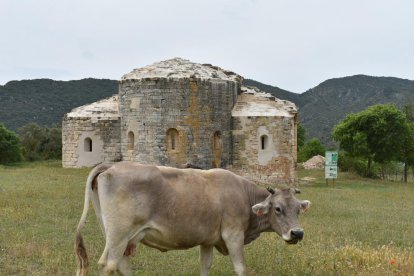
(181, 68)
(255, 103)
(103, 109)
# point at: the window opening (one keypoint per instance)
(131, 139)
(87, 145)
(216, 150)
(173, 142)
(172, 139)
(217, 140)
(263, 142)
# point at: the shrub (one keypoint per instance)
(349, 163)
(311, 148)
(10, 150)
(41, 143)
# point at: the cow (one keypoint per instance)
(168, 208)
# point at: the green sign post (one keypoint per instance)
(331, 166)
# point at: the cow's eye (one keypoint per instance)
(278, 210)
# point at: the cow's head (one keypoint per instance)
(283, 209)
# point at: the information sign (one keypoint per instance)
(331, 172)
(331, 158)
(331, 165)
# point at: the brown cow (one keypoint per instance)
(168, 208)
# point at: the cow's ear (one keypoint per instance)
(304, 206)
(262, 208)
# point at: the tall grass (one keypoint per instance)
(358, 227)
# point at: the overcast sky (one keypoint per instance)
(292, 44)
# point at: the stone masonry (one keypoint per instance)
(98, 122)
(175, 112)
(264, 137)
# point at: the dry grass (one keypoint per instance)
(358, 227)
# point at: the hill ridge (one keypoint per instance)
(45, 101)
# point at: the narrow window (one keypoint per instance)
(172, 139)
(216, 150)
(217, 140)
(87, 145)
(264, 140)
(131, 140)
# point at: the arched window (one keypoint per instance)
(87, 144)
(131, 140)
(172, 139)
(264, 142)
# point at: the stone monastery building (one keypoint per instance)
(177, 112)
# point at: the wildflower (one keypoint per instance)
(393, 262)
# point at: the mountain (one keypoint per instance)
(322, 107)
(45, 101)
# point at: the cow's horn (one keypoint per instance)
(271, 190)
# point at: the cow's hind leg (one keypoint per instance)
(113, 259)
(103, 259)
(130, 250)
(206, 259)
(124, 267)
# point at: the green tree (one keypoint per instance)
(311, 148)
(301, 136)
(10, 150)
(41, 143)
(52, 145)
(373, 134)
(408, 140)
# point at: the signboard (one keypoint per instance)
(331, 165)
(331, 172)
(331, 158)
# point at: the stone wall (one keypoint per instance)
(264, 137)
(176, 112)
(197, 110)
(275, 160)
(104, 143)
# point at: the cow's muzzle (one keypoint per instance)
(294, 236)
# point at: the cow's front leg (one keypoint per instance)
(235, 242)
(206, 259)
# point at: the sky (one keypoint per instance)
(291, 44)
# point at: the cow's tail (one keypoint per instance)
(80, 249)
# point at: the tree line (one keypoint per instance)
(31, 142)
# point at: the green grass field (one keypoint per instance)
(358, 227)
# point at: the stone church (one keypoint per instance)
(177, 112)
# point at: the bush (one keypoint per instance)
(41, 143)
(358, 165)
(10, 150)
(347, 163)
(311, 148)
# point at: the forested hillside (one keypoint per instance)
(45, 101)
(322, 107)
